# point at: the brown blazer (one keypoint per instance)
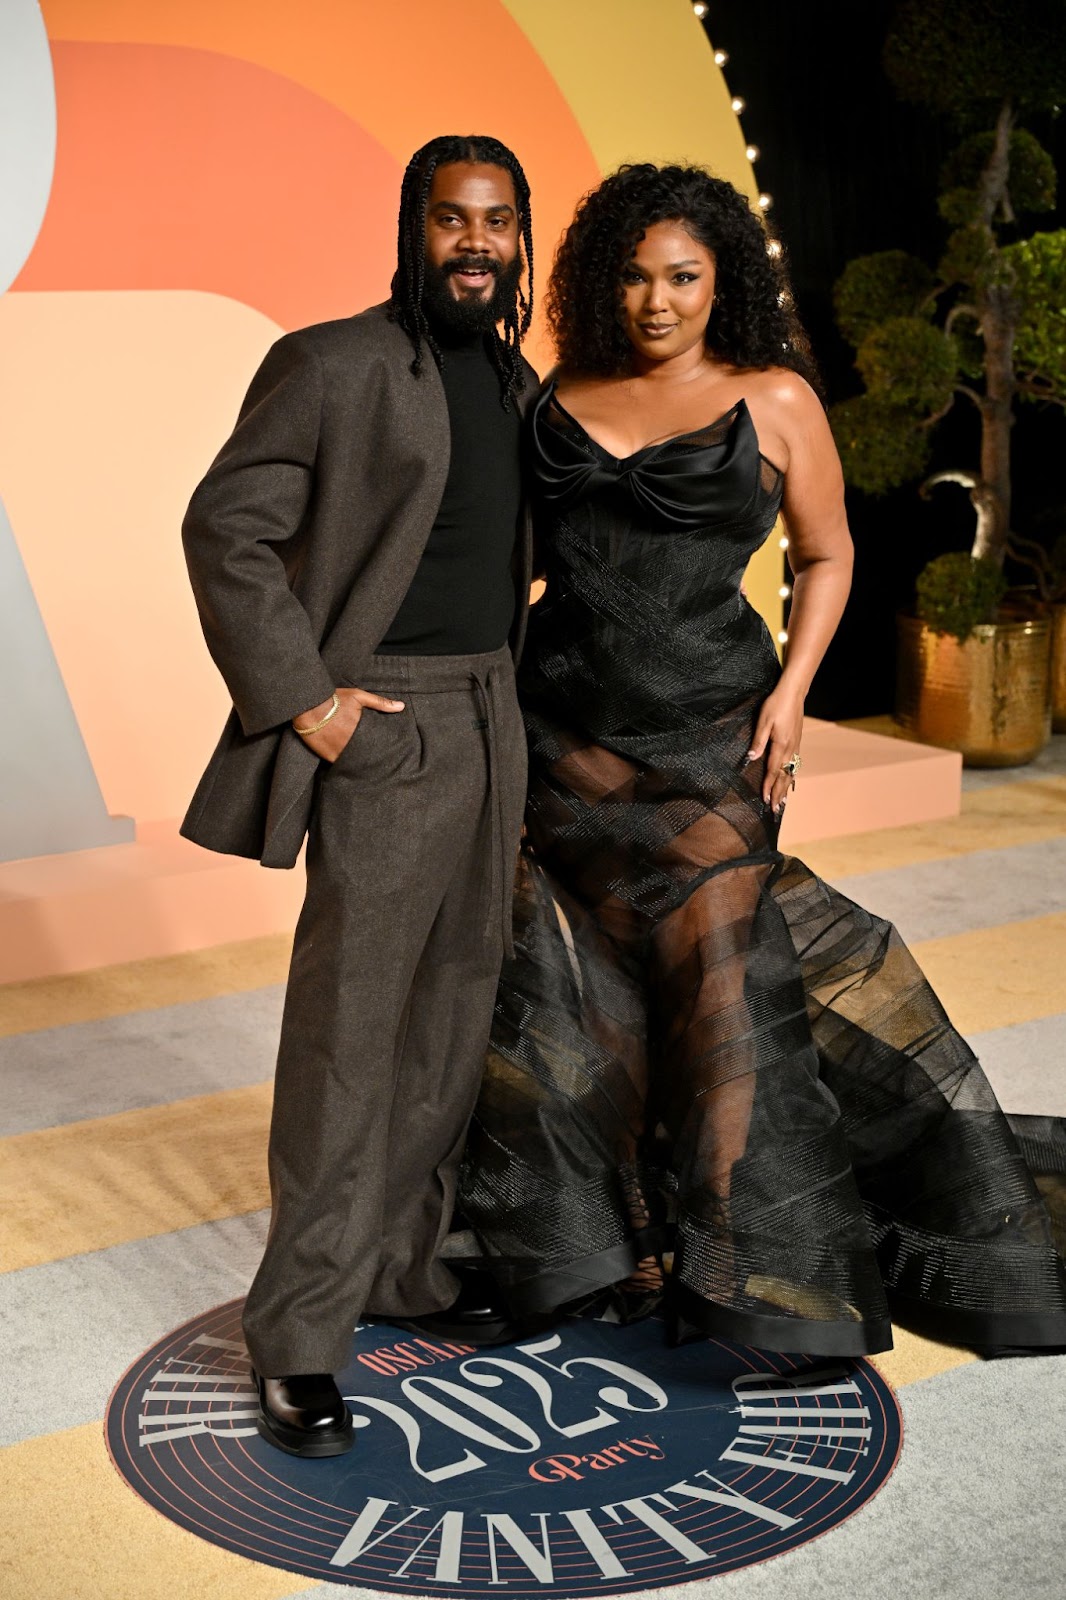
(301, 543)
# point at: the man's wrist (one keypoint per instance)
(306, 722)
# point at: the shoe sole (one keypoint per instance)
(296, 1444)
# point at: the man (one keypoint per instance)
(360, 561)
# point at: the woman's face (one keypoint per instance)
(667, 292)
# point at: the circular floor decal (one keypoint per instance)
(589, 1460)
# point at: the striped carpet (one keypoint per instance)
(133, 1187)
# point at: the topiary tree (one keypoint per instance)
(988, 326)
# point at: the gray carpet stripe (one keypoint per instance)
(93, 1069)
(69, 1329)
(1026, 1065)
(936, 899)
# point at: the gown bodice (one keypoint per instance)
(653, 545)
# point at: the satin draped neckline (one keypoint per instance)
(685, 488)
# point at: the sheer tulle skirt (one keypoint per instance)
(702, 1050)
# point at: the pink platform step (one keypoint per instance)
(854, 781)
(161, 895)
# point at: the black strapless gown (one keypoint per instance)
(699, 1046)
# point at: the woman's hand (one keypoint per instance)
(778, 733)
(331, 739)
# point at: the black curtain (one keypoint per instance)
(853, 169)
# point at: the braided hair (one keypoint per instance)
(409, 280)
(754, 321)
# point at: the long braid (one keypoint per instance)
(409, 280)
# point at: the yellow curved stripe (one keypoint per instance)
(641, 79)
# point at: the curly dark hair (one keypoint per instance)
(753, 322)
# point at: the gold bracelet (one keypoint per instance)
(332, 712)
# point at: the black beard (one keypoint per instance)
(471, 315)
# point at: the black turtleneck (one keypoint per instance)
(462, 597)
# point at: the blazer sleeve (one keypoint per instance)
(251, 503)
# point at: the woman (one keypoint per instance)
(699, 1047)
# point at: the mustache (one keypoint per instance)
(471, 264)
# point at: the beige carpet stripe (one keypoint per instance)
(913, 1358)
(994, 977)
(991, 819)
(88, 1185)
(72, 1529)
(143, 985)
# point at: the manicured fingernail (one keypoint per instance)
(397, 703)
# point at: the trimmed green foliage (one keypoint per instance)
(911, 363)
(990, 324)
(968, 56)
(967, 258)
(1039, 266)
(956, 594)
(879, 444)
(1032, 171)
(890, 283)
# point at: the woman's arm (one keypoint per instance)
(820, 555)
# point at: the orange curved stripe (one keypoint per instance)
(404, 71)
(178, 168)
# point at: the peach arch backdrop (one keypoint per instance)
(226, 170)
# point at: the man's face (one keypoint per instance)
(473, 262)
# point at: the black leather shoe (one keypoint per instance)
(476, 1316)
(304, 1415)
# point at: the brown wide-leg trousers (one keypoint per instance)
(410, 869)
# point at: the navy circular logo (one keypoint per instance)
(589, 1460)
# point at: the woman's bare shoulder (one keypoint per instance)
(783, 388)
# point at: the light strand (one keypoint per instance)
(773, 248)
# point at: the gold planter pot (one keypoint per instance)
(988, 697)
(1058, 667)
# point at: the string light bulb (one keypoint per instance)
(700, 7)
(738, 103)
(752, 152)
(782, 543)
(782, 636)
(765, 202)
(720, 58)
(784, 591)
(774, 248)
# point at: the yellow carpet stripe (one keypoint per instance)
(72, 1529)
(992, 819)
(143, 985)
(913, 1358)
(91, 1184)
(88, 1185)
(995, 977)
